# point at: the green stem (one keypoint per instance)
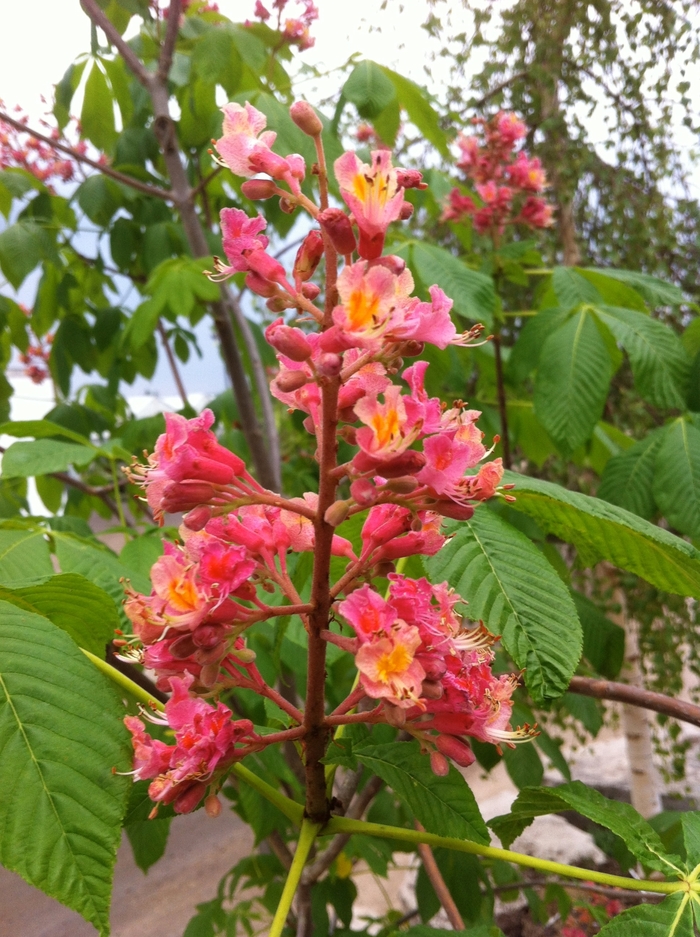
(290, 808)
(117, 493)
(116, 676)
(343, 825)
(309, 832)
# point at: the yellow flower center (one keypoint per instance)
(362, 308)
(393, 664)
(386, 426)
(182, 594)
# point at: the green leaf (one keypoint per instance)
(572, 381)
(444, 805)
(603, 641)
(99, 197)
(621, 819)
(142, 324)
(24, 556)
(509, 584)
(369, 89)
(651, 289)
(572, 289)
(140, 553)
(73, 604)
(659, 362)
(691, 836)
(672, 918)
(628, 478)
(481, 930)
(473, 293)
(22, 247)
(61, 734)
(601, 531)
(98, 564)
(42, 456)
(526, 352)
(677, 477)
(691, 338)
(415, 102)
(614, 291)
(148, 839)
(97, 115)
(41, 429)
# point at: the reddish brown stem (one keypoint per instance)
(173, 364)
(438, 883)
(636, 696)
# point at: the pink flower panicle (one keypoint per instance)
(508, 185)
(415, 462)
(20, 150)
(295, 30)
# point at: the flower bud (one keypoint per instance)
(185, 495)
(439, 765)
(403, 485)
(338, 227)
(310, 290)
(412, 349)
(256, 284)
(458, 512)
(363, 492)
(209, 674)
(197, 518)
(267, 267)
(329, 364)
(410, 179)
(306, 118)
(384, 568)
(455, 749)
(349, 434)
(405, 464)
(258, 189)
(308, 256)
(288, 341)
(287, 205)
(393, 264)
(212, 806)
(277, 304)
(431, 689)
(189, 798)
(406, 211)
(289, 381)
(336, 513)
(394, 715)
(244, 654)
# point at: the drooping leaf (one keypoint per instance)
(24, 459)
(444, 805)
(22, 247)
(628, 478)
(148, 839)
(659, 362)
(73, 604)
(97, 115)
(526, 352)
(656, 292)
(677, 477)
(509, 584)
(369, 89)
(41, 429)
(621, 819)
(573, 378)
(602, 531)
(61, 734)
(414, 101)
(672, 918)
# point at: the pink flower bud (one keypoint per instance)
(363, 492)
(288, 341)
(260, 287)
(439, 765)
(267, 267)
(212, 806)
(431, 689)
(310, 290)
(187, 494)
(277, 304)
(258, 189)
(455, 749)
(407, 463)
(289, 381)
(306, 118)
(308, 256)
(458, 512)
(406, 211)
(338, 227)
(197, 518)
(393, 264)
(186, 801)
(410, 179)
(329, 364)
(403, 485)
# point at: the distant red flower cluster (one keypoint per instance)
(508, 184)
(19, 150)
(295, 30)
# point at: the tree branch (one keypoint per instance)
(144, 187)
(636, 696)
(478, 104)
(166, 52)
(438, 883)
(127, 53)
(173, 364)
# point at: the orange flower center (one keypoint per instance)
(393, 664)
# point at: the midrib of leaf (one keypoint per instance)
(574, 350)
(679, 914)
(20, 726)
(505, 594)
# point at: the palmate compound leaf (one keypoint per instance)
(677, 477)
(628, 478)
(444, 805)
(622, 819)
(511, 586)
(672, 918)
(61, 734)
(602, 531)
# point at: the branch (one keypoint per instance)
(127, 53)
(477, 105)
(144, 187)
(438, 883)
(173, 364)
(168, 47)
(201, 186)
(636, 696)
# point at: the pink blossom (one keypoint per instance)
(527, 174)
(537, 213)
(373, 196)
(388, 667)
(241, 233)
